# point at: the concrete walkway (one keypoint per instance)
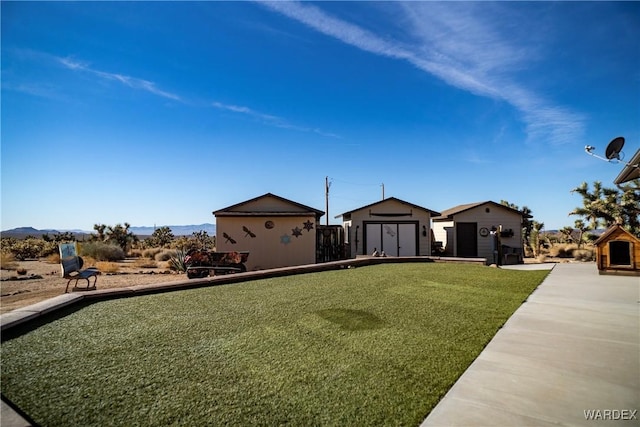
(574, 346)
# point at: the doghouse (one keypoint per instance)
(618, 252)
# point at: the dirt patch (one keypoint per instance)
(43, 280)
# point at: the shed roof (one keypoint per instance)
(433, 213)
(448, 214)
(287, 208)
(610, 231)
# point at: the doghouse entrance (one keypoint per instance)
(620, 253)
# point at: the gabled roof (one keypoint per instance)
(448, 214)
(609, 231)
(287, 208)
(432, 213)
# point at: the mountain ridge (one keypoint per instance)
(177, 230)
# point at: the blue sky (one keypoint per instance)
(160, 113)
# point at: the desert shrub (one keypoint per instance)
(8, 261)
(146, 263)
(53, 258)
(151, 252)
(563, 250)
(48, 248)
(135, 253)
(541, 258)
(21, 271)
(185, 243)
(27, 248)
(102, 251)
(108, 267)
(88, 262)
(177, 262)
(6, 243)
(165, 254)
(584, 255)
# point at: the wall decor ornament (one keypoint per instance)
(296, 232)
(228, 239)
(308, 226)
(248, 232)
(269, 225)
(285, 239)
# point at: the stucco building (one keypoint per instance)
(391, 225)
(481, 230)
(276, 231)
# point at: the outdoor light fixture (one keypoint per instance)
(424, 230)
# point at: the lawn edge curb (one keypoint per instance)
(23, 316)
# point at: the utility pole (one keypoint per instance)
(382, 185)
(326, 197)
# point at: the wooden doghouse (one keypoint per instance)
(618, 252)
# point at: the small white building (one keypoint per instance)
(276, 231)
(481, 230)
(391, 225)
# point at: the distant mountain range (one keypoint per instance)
(177, 230)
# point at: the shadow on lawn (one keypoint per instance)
(34, 324)
(351, 320)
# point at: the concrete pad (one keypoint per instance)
(10, 418)
(573, 346)
(472, 413)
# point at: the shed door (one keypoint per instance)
(467, 239)
(374, 238)
(395, 239)
(407, 240)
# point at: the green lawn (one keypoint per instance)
(376, 345)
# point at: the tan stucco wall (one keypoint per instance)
(268, 249)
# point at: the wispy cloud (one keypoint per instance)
(132, 82)
(269, 119)
(148, 86)
(461, 45)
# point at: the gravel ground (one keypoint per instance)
(43, 280)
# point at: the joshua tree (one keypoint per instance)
(118, 234)
(591, 203)
(536, 237)
(162, 237)
(581, 227)
(100, 237)
(608, 206)
(527, 223)
(567, 234)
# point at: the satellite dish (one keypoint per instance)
(614, 148)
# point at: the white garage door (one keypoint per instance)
(395, 239)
